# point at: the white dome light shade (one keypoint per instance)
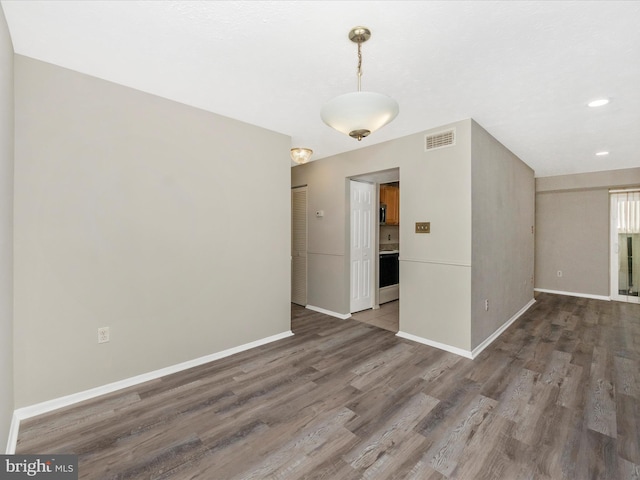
(359, 113)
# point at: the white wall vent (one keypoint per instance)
(440, 140)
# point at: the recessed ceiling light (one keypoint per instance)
(598, 103)
(601, 154)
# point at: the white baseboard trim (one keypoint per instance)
(341, 316)
(574, 294)
(12, 441)
(476, 351)
(50, 405)
(489, 340)
(431, 343)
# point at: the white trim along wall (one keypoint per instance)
(476, 351)
(573, 294)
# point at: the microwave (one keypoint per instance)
(383, 214)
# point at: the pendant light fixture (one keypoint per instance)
(301, 155)
(358, 114)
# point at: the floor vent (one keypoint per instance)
(440, 140)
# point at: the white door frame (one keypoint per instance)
(299, 242)
(363, 218)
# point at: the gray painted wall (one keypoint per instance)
(435, 268)
(6, 230)
(573, 237)
(436, 275)
(572, 230)
(144, 215)
(503, 200)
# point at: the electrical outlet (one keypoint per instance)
(559, 273)
(103, 334)
(486, 305)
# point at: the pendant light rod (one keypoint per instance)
(359, 35)
(359, 68)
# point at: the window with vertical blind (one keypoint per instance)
(628, 211)
(625, 241)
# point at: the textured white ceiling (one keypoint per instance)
(523, 70)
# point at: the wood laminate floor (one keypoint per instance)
(557, 396)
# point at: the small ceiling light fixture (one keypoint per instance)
(598, 103)
(602, 154)
(358, 114)
(301, 155)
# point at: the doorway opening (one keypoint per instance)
(625, 245)
(384, 309)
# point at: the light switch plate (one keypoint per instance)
(423, 227)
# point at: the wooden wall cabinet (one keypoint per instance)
(390, 196)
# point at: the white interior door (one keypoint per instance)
(362, 254)
(625, 246)
(299, 246)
